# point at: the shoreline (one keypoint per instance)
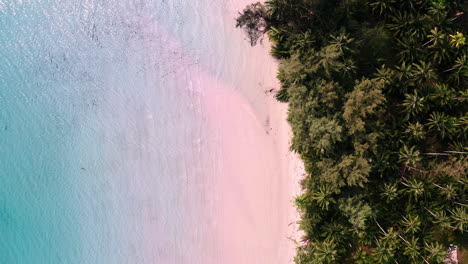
(244, 209)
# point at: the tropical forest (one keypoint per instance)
(378, 100)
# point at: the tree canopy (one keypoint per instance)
(377, 93)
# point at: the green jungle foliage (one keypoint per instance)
(377, 93)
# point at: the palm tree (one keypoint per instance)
(460, 219)
(441, 123)
(461, 67)
(404, 72)
(275, 10)
(275, 35)
(303, 41)
(438, 12)
(461, 63)
(326, 251)
(278, 51)
(415, 131)
(439, 45)
(462, 124)
(424, 73)
(457, 40)
(436, 37)
(360, 256)
(323, 198)
(384, 252)
(443, 95)
(303, 201)
(401, 22)
(282, 95)
(407, 5)
(342, 42)
(412, 248)
(448, 191)
(347, 68)
(406, 24)
(440, 54)
(333, 231)
(414, 188)
(410, 49)
(385, 74)
(382, 6)
(329, 56)
(436, 252)
(458, 145)
(409, 156)
(390, 192)
(382, 161)
(440, 218)
(411, 224)
(413, 104)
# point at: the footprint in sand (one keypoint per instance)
(267, 125)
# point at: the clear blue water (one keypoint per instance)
(104, 150)
(99, 131)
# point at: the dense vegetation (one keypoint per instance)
(377, 93)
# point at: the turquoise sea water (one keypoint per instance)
(100, 132)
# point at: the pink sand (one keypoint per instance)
(256, 175)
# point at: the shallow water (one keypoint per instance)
(104, 146)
